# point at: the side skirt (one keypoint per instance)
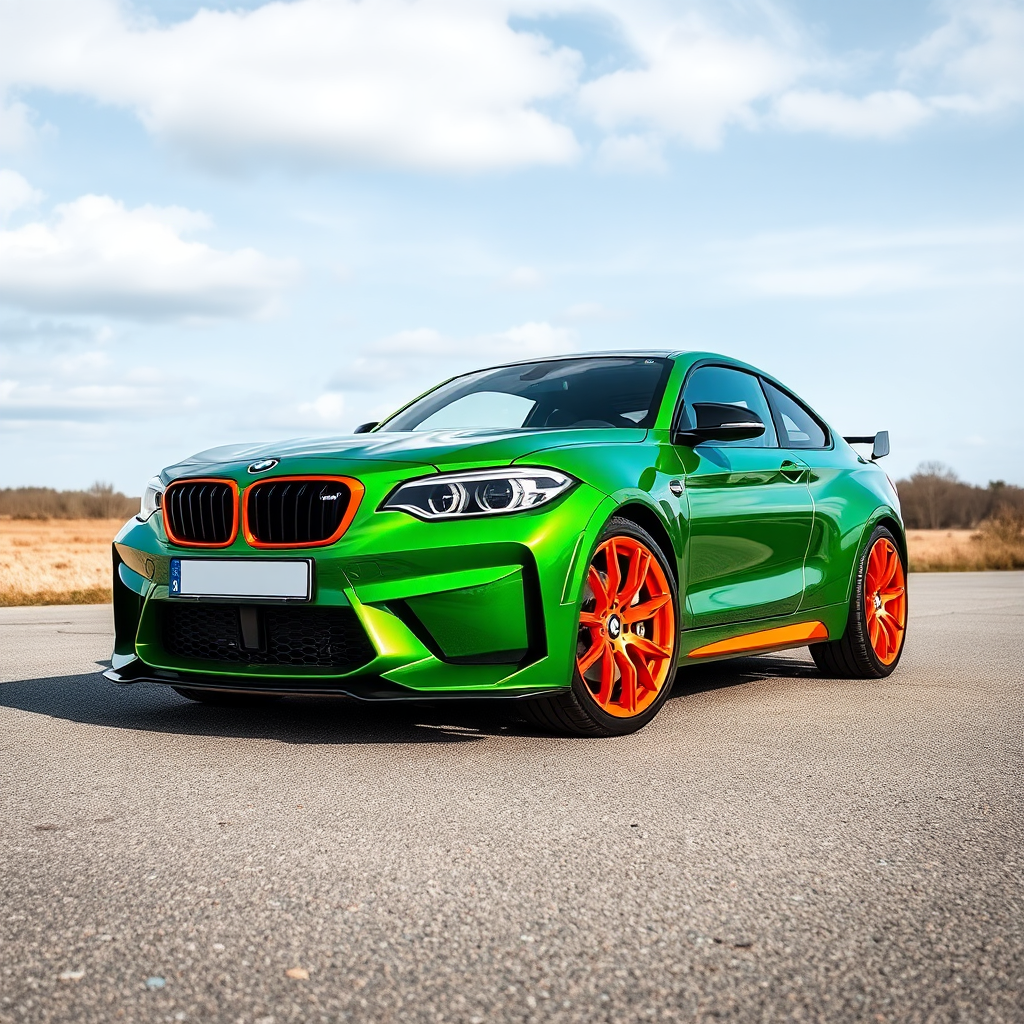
(811, 625)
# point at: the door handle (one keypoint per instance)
(792, 471)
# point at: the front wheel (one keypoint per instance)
(627, 641)
(872, 643)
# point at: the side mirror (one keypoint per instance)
(717, 421)
(365, 428)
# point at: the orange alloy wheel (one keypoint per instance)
(627, 628)
(885, 599)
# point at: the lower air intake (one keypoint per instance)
(300, 637)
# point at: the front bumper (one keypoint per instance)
(482, 607)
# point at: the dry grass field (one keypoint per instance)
(55, 561)
(997, 544)
(67, 561)
(928, 547)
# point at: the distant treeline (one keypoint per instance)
(935, 498)
(101, 501)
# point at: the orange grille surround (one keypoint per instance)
(259, 524)
(203, 498)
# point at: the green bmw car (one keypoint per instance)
(566, 532)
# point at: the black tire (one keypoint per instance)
(852, 656)
(222, 699)
(574, 711)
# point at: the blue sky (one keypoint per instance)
(225, 222)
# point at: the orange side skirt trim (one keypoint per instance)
(801, 633)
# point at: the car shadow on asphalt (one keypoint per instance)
(716, 675)
(151, 707)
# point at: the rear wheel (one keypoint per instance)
(627, 640)
(222, 699)
(872, 643)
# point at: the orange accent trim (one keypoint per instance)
(356, 490)
(201, 480)
(781, 636)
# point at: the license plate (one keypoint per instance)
(268, 579)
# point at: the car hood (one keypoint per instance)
(441, 449)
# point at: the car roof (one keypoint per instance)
(633, 353)
(698, 355)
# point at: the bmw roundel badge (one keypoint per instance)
(263, 465)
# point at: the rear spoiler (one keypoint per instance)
(879, 443)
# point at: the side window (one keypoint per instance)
(798, 427)
(733, 387)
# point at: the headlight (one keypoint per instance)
(489, 492)
(152, 498)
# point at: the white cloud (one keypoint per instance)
(77, 403)
(522, 342)
(979, 51)
(327, 410)
(880, 115)
(529, 340)
(523, 279)
(427, 356)
(843, 262)
(80, 385)
(450, 85)
(93, 255)
(428, 84)
(15, 193)
(696, 80)
(15, 122)
(643, 153)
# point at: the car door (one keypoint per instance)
(805, 437)
(750, 511)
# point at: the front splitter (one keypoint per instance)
(378, 690)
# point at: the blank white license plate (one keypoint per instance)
(240, 577)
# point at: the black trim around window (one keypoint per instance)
(780, 426)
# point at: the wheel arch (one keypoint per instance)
(647, 519)
(881, 517)
(895, 527)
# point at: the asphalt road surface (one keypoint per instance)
(775, 846)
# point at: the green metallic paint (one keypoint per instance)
(449, 618)
(491, 605)
(750, 525)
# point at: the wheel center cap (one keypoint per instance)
(878, 601)
(614, 627)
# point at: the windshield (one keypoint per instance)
(591, 391)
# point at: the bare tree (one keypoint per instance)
(935, 498)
